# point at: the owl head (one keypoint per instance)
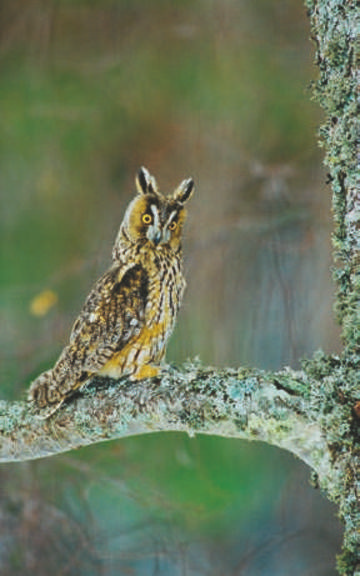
(152, 218)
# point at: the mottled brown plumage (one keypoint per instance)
(130, 313)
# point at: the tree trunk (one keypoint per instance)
(335, 26)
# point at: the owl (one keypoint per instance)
(130, 313)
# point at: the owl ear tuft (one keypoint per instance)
(184, 191)
(145, 183)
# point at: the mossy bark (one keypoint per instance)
(277, 408)
(335, 27)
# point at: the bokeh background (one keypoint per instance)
(213, 89)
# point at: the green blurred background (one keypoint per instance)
(213, 89)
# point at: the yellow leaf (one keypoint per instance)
(43, 302)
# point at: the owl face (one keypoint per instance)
(156, 219)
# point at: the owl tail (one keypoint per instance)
(44, 391)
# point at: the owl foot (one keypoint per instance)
(146, 371)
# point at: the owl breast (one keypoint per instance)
(166, 285)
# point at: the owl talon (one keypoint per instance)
(146, 371)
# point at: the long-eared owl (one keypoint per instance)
(130, 313)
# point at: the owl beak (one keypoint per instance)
(154, 235)
(157, 237)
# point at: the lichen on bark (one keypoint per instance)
(335, 27)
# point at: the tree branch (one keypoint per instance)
(241, 403)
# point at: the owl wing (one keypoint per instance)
(113, 312)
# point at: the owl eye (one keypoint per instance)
(172, 225)
(147, 218)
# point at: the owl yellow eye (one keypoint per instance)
(172, 225)
(147, 219)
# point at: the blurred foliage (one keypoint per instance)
(89, 91)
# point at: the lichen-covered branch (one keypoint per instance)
(311, 412)
(242, 403)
